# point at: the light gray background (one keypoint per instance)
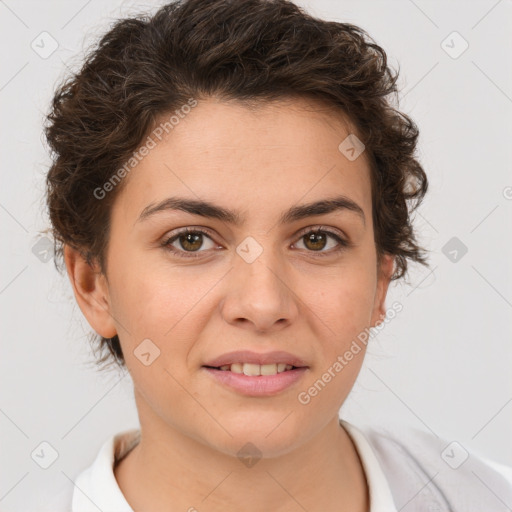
(443, 365)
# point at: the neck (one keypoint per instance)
(169, 471)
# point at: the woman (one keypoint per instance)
(231, 195)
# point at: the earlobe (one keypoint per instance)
(91, 292)
(384, 278)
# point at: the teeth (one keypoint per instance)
(251, 369)
(256, 369)
(236, 368)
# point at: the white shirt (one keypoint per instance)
(97, 488)
(394, 468)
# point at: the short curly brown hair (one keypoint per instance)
(253, 51)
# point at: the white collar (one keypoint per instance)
(381, 499)
(96, 488)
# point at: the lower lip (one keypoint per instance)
(259, 385)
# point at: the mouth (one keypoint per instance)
(255, 380)
(255, 370)
(251, 373)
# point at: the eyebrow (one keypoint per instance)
(212, 211)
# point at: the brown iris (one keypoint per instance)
(193, 241)
(318, 240)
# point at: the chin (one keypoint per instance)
(259, 439)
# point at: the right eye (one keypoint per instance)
(190, 241)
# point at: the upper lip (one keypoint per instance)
(247, 356)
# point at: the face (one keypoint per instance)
(305, 283)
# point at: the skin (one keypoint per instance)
(259, 162)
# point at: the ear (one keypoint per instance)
(91, 292)
(384, 273)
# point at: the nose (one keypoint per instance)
(259, 295)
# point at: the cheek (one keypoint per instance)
(352, 306)
(166, 307)
(150, 296)
(343, 300)
(342, 314)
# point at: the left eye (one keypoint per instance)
(316, 240)
(192, 240)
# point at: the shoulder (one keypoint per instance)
(429, 473)
(95, 486)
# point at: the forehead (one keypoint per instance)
(272, 153)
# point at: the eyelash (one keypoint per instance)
(343, 244)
